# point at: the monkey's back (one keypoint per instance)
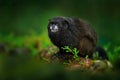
(87, 38)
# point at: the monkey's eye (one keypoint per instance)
(54, 28)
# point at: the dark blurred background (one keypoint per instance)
(24, 16)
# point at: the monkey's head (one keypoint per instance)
(58, 24)
(62, 32)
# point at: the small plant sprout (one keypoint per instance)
(86, 57)
(73, 51)
(95, 55)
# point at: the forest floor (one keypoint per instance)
(21, 57)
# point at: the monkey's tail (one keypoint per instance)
(102, 53)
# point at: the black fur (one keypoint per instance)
(75, 33)
(102, 53)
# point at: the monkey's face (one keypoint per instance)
(57, 24)
(54, 28)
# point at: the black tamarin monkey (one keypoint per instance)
(75, 33)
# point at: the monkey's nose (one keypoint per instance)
(54, 28)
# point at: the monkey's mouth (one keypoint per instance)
(54, 28)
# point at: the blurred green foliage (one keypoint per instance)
(23, 16)
(29, 68)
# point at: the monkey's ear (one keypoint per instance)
(66, 22)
